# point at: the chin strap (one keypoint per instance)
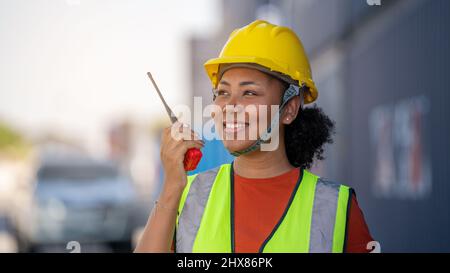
(291, 91)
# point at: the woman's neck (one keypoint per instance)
(259, 164)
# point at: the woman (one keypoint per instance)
(266, 200)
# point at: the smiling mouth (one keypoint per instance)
(234, 127)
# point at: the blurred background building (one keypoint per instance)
(73, 95)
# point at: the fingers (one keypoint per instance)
(181, 147)
(186, 135)
(180, 131)
(175, 151)
(178, 138)
(192, 144)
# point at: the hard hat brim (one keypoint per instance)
(212, 69)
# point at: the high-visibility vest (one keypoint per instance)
(314, 220)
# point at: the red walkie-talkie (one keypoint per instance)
(193, 155)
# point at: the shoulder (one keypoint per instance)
(208, 175)
(328, 185)
(326, 182)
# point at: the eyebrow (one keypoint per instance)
(240, 84)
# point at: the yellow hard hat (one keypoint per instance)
(275, 47)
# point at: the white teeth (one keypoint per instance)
(234, 125)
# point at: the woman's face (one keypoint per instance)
(240, 89)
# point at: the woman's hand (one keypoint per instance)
(159, 231)
(175, 141)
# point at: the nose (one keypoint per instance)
(233, 100)
(228, 103)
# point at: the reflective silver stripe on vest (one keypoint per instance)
(191, 215)
(323, 216)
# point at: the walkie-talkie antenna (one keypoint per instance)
(193, 155)
(172, 116)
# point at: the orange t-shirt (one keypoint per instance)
(260, 203)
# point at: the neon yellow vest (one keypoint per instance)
(314, 220)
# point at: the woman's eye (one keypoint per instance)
(221, 93)
(249, 93)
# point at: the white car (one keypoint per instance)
(85, 201)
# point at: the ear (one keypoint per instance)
(290, 111)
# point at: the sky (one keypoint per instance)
(75, 66)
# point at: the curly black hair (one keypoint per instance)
(306, 135)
